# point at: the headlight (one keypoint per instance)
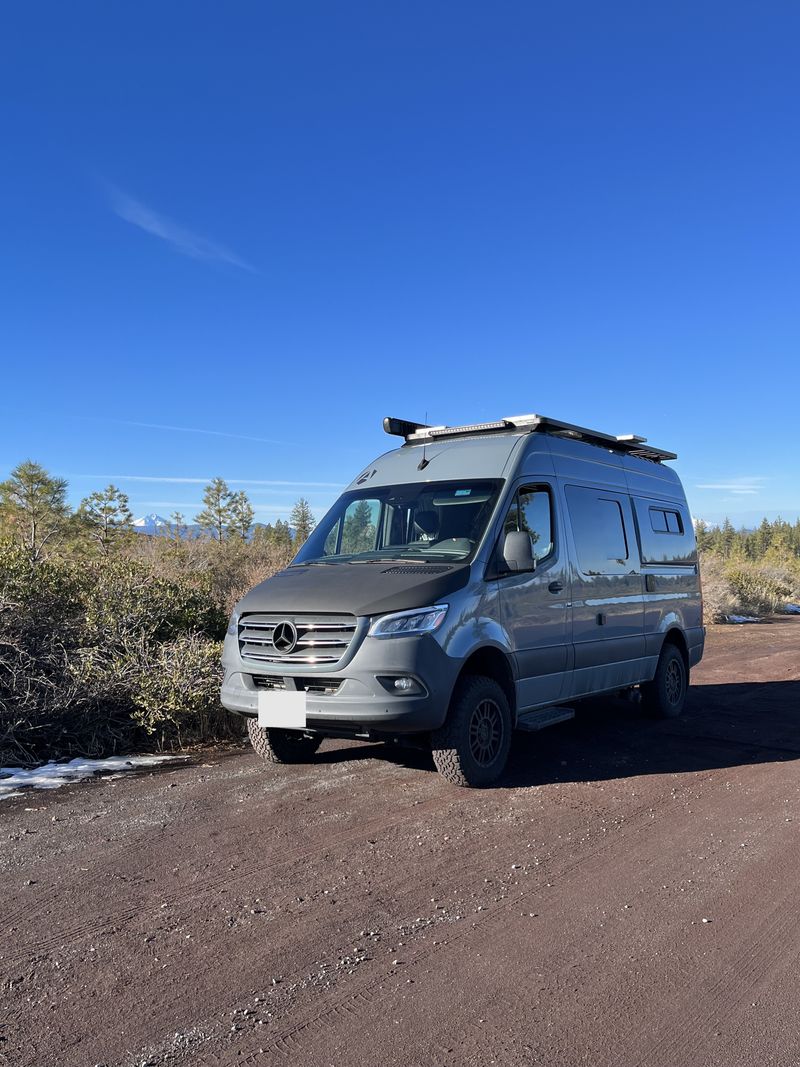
(403, 623)
(233, 625)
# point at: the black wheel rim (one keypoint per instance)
(673, 682)
(486, 732)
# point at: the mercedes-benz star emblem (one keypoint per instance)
(284, 637)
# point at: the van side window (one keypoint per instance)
(662, 521)
(666, 534)
(599, 531)
(532, 512)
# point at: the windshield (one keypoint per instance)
(421, 521)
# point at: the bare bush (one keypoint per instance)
(757, 591)
(176, 696)
(744, 587)
(88, 649)
(719, 600)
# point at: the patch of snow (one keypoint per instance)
(742, 618)
(792, 609)
(53, 775)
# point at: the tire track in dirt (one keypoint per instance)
(99, 924)
(770, 948)
(635, 846)
(90, 927)
(362, 994)
(475, 866)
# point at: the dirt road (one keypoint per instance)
(627, 896)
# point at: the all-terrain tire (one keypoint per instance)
(664, 697)
(472, 747)
(281, 746)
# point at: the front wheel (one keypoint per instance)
(281, 746)
(471, 749)
(665, 696)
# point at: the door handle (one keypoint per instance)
(555, 587)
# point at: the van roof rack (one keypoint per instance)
(630, 443)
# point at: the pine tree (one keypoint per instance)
(302, 520)
(107, 515)
(217, 516)
(33, 507)
(242, 514)
(278, 536)
(283, 534)
(763, 537)
(727, 537)
(178, 525)
(703, 535)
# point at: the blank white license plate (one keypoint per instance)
(282, 710)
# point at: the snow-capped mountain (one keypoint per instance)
(151, 524)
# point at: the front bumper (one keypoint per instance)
(361, 703)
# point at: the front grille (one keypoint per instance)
(263, 681)
(315, 686)
(320, 638)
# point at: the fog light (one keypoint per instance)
(401, 687)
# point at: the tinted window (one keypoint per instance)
(658, 520)
(533, 513)
(599, 531)
(665, 532)
(663, 521)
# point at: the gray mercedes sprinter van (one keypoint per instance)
(476, 580)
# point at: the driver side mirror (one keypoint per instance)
(518, 551)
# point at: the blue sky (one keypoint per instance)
(235, 236)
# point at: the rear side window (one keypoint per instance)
(662, 521)
(598, 528)
(665, 532)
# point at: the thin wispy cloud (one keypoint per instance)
(260, 509)
(204, 481)
(183, 240)
(737, 486)
(188, 429)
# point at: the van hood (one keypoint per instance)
(356, 588)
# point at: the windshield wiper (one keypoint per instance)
(392, 559)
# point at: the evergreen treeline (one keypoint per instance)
(751, 573)
(778, 538)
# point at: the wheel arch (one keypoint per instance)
(493, 662)
(676, 637)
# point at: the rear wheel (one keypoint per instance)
(281, 746)
(665, 696)
(471, 749)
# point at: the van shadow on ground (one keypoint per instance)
(726, 725)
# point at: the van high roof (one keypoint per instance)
(631, 444)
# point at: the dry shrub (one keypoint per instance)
(176, 696)
(227, 569)
(744, 587)
(105, 655)
(257, 571)
(719, 599)
(758, 591)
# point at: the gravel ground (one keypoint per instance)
(626, 896)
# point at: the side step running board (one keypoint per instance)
(541, 717)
